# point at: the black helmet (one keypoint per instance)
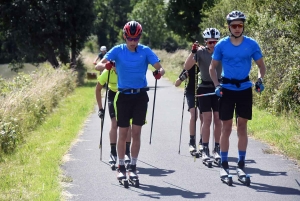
(235, 15)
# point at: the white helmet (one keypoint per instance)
(103, 48)
(211, 33)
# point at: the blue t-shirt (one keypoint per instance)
(236, 60)
(132, 66)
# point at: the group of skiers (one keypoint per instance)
(221, 89)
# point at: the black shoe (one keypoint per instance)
(122, 172)
(241, 165)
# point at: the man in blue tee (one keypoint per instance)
(236, 52)
(131, 102)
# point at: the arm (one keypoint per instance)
(189, 62)
(213, 71)
(98, 95)
(101, 65)
(158, 67)
(178, 82)
(95, 61)
(261, 68)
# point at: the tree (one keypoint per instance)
(183, 17)
(47, 28)
(151, 14)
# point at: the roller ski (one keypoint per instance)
(206, 160)
(122, 176)
(193, 151)
(216, 156)
(242, 176)
(225, 176)
(112, 162)
(133, 177)
(127, 161)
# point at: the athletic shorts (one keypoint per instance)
(110, 97)
(131, 106)
(208, 103)
(190, 98)
(238, 101)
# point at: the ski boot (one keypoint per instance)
(206, 157)
(193, 151)
(112, 162)
(224, 174)
(216, 155)
(127, 161)
(242, 176)
(122, 176)
(200, 148)
(133, 177)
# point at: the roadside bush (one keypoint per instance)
(27, 99)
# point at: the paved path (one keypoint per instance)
(165, 174)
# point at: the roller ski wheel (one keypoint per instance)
(112, 162)
(226, 177)
(243, 177)
(127, 161)
(193, 151)
(122, 176)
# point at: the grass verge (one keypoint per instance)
(32, 173)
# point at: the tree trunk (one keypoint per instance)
(51, 56)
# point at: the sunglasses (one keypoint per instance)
(133, 39)
(234, 26)
(211, 42)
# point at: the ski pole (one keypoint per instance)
(182, 115)
(153, 110)
(208, 94)
(102, 120)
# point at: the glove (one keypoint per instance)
(109, 65)
(157, 74)
(101, 113)
(259, 87)
(183, 76)
(218, 90)
(195, 47)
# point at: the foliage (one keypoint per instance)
(27, 99)
(183, 17)
(47, 29)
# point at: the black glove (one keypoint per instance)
(101, 113)
(183, 75)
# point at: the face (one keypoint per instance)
(236, 27)
(132, 42)
(211, 42)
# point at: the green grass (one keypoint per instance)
(281, 132)
(33, 172)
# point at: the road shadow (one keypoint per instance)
(155, 172)
(169, 191)
(280, 190)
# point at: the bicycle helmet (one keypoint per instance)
(235, 15)
(211, 33)
(132, 29)
(103, 48)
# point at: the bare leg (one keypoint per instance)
(135, 140)
(242, 131)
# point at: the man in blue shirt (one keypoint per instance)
(131, 101)
(236, 52)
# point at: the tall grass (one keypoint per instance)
(27, 99)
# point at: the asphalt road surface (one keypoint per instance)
(166, 175)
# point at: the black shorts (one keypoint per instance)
(131, 106)
(238, 101)
(208, 103)
(190, 98)
(110, 97)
